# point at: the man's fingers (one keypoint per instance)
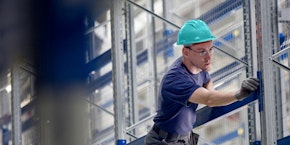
(252, 87)
(254, 81)
(251, 84)
(249, 87)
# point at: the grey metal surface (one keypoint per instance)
(152, 55)
(16, 109)
(265, 45)
(251, 53)
(132, 66)
(118, 68)
(277, 73)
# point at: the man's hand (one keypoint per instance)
(248, 86)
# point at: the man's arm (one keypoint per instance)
(209, 85)
(211, 98)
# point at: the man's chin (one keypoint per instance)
(206, 69)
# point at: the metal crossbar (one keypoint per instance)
(152, 13)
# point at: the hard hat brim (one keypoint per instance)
(199, 41)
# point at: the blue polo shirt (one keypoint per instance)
(174, 113)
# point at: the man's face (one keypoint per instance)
(200, 55)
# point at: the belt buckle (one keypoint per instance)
(171, 137)
(161, 133)
(156, 129)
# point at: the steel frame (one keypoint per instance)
(118, 69)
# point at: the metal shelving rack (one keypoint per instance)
(261, 20)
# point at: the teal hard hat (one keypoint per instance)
(194, 31)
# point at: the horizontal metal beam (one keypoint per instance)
(281, 52)
(207, 114)
(93, 28)
(221, 10)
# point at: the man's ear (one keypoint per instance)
(185, 51)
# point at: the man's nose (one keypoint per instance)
(208, 54)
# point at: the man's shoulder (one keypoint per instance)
(176, 71)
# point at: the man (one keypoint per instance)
(187, 84)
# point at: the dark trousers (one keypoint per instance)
(157, 136)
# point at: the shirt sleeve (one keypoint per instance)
(207, 77)
(178, 88)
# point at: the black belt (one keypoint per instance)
(166, 135)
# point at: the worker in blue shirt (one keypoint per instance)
(186, 84)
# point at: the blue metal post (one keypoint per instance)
(5, 130)
(256, 143)
(121, 142)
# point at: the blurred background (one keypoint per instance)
(87, 71)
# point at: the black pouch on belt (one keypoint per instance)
(194, 138)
